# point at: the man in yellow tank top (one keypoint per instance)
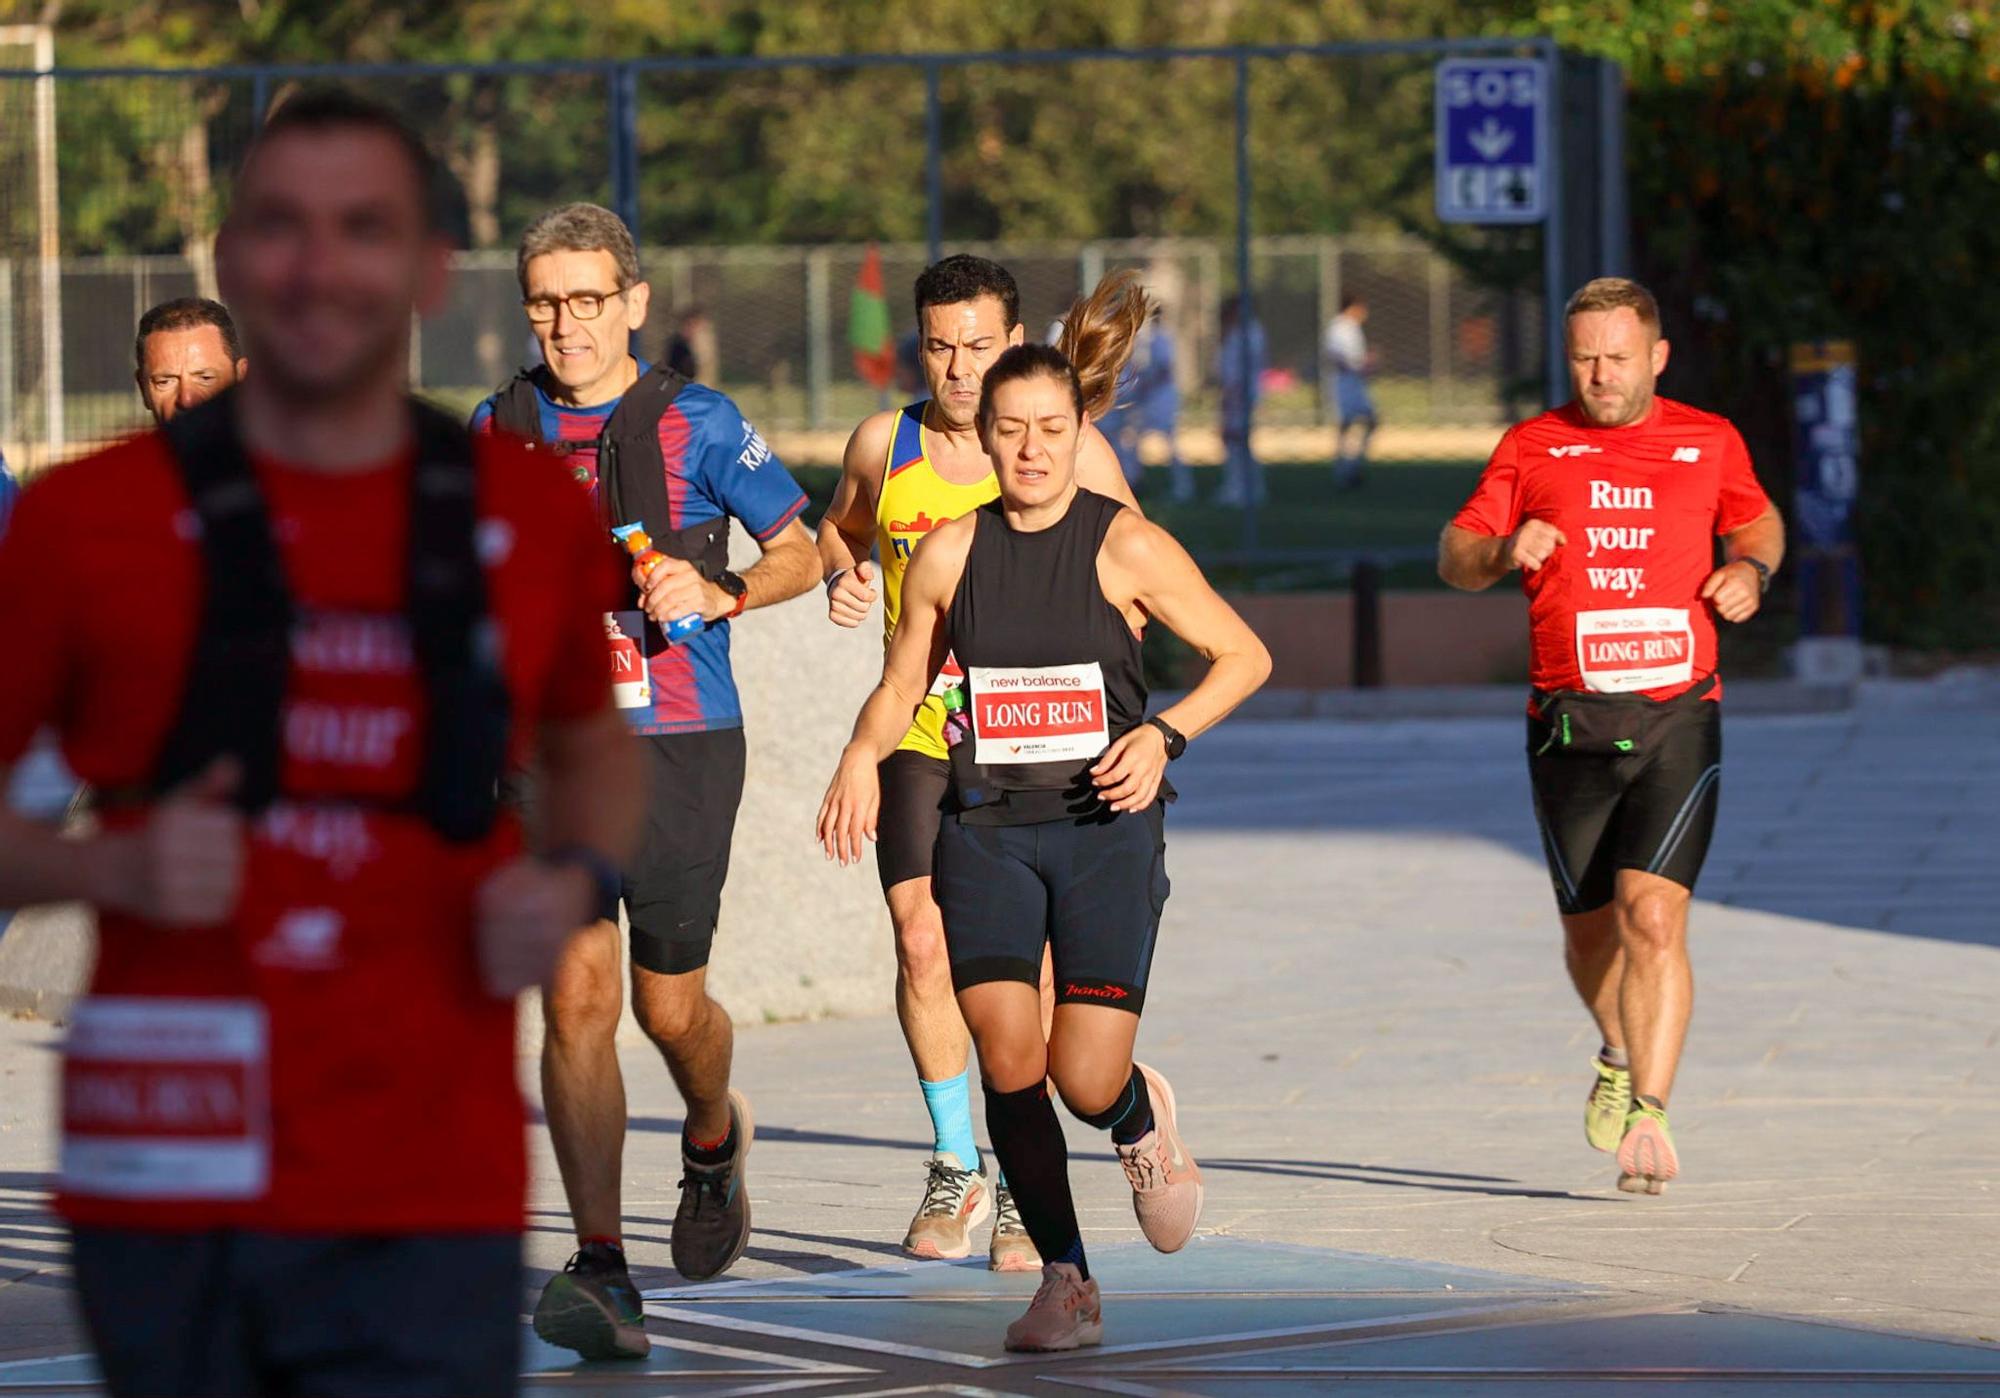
(905, 472)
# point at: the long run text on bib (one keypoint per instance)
(166, 1099)
(1048, 713)
(1634, 648)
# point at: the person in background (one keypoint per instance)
(691, 351)
(1240, 371)
(1349, 363)
(187, 353)
(1156, 403)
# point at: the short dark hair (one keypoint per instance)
(963, 277)
(186, 313)
(1349, 300)
(321, 108)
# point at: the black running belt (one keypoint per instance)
(239, 672)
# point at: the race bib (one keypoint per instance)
(631, 680)
(166, 1099)
(1049, 713)
(1634, 648)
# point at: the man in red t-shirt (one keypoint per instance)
(294, 1154)
(1610, 507)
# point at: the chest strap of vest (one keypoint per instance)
(631, 471)
(239, 673)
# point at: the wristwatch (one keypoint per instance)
(1763, 570)
(733, 584)
(1176, 740)
(607, 883)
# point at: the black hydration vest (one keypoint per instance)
(631, 472)
(240, 671)
(1029, 600)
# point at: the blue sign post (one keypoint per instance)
(1492, 137)
(1826, 450)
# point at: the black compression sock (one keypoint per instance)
(1128, 1118)
(716, 1154)
(1028, 1139)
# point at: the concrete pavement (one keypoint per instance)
(1360, 1000)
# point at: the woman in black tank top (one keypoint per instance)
(1055, 823)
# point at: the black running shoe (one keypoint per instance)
(712, 1225)
(592, 1307)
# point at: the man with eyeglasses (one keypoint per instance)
(677, 458)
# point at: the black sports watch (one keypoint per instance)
(1176, 740)
(607, 883)
(733, 584)
(1763, 570)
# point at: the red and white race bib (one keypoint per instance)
(1048, 713)
(1634, 648)
(166, 1099)
(631, 681)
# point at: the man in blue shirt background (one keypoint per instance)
(686, 449)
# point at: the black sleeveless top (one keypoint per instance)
(1053, 674)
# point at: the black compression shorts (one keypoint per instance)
(1650, 808)
(673, 889)
(906, 830)
(1091, 890)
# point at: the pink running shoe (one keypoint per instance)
(1066, 1314)
(1166, 1183)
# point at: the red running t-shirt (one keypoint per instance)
(1617, 609)
(325, 1061)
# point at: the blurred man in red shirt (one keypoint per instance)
(292, 638)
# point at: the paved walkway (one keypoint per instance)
(1360, 1001)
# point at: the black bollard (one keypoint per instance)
(1366, 586)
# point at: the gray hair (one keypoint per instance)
(579, 228)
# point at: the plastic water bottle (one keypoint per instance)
(640, 545)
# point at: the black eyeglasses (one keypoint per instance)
(584, 305)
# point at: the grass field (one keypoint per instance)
(1401, 505)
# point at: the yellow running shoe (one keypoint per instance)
(1604, 1112)
(1646, 1159)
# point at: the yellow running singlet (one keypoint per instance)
(914, 500)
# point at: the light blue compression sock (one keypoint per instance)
(950, 1105)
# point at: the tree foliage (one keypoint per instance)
(1807, 169)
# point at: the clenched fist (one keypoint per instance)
(851, 594)
(675, 588)
(526, 912)
(184, 867)
(1735, 591)
(1529, 547)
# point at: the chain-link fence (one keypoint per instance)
(757, 189)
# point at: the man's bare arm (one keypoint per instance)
(1471, 562)
(1098, 469)
(593, 794)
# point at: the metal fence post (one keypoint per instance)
(260, 99)
(1614, 236)
(934, 161)
(819, 329)
(624, 113)
(1554, 266)
(1245, 309)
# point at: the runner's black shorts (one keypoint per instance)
(1651, 808)
(1091, 890)
(231, 1314)
(673, 886)
(906, 830)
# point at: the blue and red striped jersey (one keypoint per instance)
(716, 464)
